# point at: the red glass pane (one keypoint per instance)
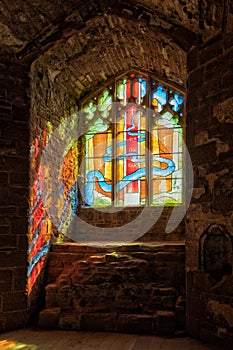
(131, 145)
(128, 89)
(136, 87)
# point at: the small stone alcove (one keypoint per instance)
(215, 252)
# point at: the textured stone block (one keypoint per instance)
(212, 51)
(4, 177)
(19, 278)
(49, 318)
(8, 241)
(64, 297)
(13, 258)
(131, 323)
(69, 322)
(15, 319)
(99, 322)
(51, 295)
(5, 280)
(165, 323)
(14, 301)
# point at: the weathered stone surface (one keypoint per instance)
(98, 322)
(209, 269)
(100, 287)
(69, 322)
(131, 323)
(165, 323)
(49, 318)
(5, 280)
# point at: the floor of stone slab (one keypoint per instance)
(28, 339)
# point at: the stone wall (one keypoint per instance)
(137, 288)
(209, 219)
(76, 48)
(156, 231)
(14, 189)
(88, 49)
(86, 60)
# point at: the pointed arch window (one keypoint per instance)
(133, 144)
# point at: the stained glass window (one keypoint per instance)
(133, 144)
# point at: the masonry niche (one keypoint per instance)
(216, 252)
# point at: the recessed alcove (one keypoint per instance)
(70, 96)
(55, 56)
(215, 254)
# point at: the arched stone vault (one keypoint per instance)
(32, 25)
(86, 59)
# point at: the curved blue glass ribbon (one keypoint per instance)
(136, 175)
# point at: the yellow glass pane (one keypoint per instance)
(120, 169)
(154, 142)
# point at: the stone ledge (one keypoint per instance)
(134, 323)
(132, 247)
(99, 322)
(162, 322)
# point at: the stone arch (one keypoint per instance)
(82, 56)
(215, 251)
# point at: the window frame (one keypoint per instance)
(166, 84)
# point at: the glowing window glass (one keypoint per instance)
(133, 146)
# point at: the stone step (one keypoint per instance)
(158, 257)
(162, 322)
(106, 297)
(138, 279)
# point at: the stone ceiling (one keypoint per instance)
(27, 24)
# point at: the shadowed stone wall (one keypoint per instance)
(14, 190)
(209, 138)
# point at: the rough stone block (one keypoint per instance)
(4, 178)
(99, 322)
(69, 322)
(49, 318)
(192, 60)
(14, 301)
(135, 323)
(168, 302)
(64, 296)
(13, 258)
(8, 211)
(20, 113)
(19, 278)
(5, 280)
(8, 241)
(51, 295)
(165, 323)
(15, 319)
(212, 51)
(204, 154)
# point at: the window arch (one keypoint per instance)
(132, 146)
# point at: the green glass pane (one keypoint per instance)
(105, 103)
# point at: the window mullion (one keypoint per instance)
(148, 153)
(114, 154)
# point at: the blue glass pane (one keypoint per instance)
(176, 102)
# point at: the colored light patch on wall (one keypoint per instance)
(40, 226)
